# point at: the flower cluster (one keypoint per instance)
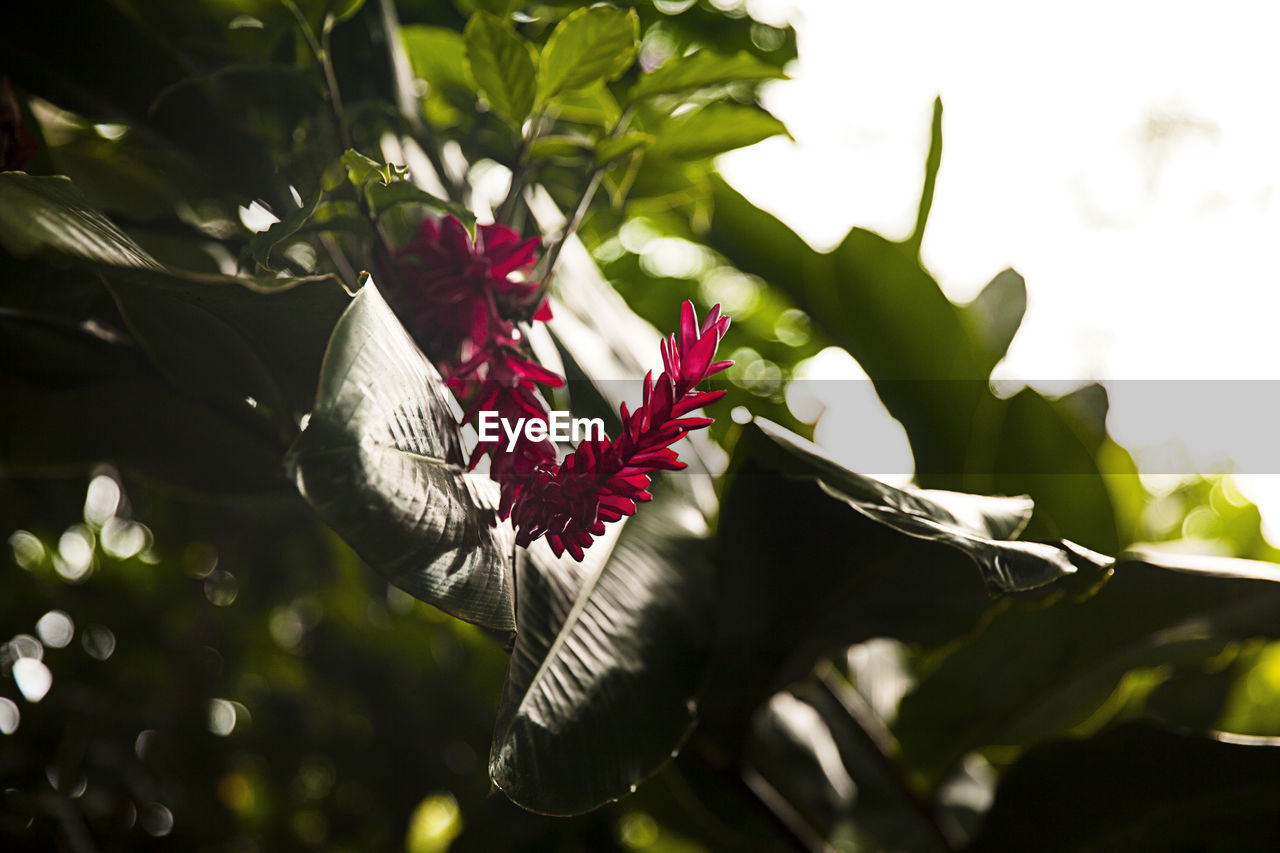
(462, 302)
(604, 479)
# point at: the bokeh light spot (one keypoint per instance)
(101, 500)
(98, 641)
(33, 678)
(123, 539)
(56, 629)
(156, 820)
(28, 551)
(434, 824)
(10, 716)
(75, 553)
(221, 588)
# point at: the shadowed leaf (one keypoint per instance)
(1137, 788)
(380, 461)
(818, 558)
(1060, 664)
(608, 658)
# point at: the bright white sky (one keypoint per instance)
(1123, 156)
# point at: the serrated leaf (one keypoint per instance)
(589, 46)
(714, 129)
(502, 64)
(701, 70)
(608, 658)
(615, 147)
(380, 461)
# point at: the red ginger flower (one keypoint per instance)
(463, 301)
(603, 480)
(457, 290)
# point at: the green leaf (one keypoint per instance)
(49, 214)
(263, 242)
(380, 461)
(701, 70)
(501, 8)
(502, 64)
(615, 147)
(221, 338)
(345, 9)
(435, 53)
(360, 169)
(996, 313)
(232, 340)
(118, 60)
(930, 362)
(1060, 664)
(608, 658)
(383, 197)
(559, 146)
(594, 105)
(912, 565)
(76, 396)
(714, 129)
(1137, 788)
(589, 46)
(932, 163)
(977, 525)
(822, 749)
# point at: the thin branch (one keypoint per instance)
(548, 263)
(320, 49)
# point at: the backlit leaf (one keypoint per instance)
(502, 64)
(590, 45)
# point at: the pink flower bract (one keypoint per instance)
(462, 302)
(603, 480)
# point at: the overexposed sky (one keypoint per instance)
(1123, 156)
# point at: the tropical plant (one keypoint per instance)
(265, 266)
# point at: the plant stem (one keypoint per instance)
(331, 81)
(548, 263)
(520, 173)
(320, 50)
